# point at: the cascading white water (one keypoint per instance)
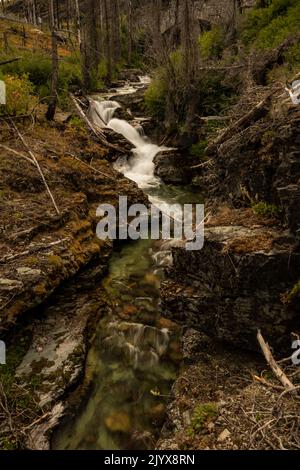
(142, 344)
(140, 168)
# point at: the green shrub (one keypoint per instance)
(202, 414)
(214, 95)
(77, 126)
(155, 96)
(270, 26)
(264, 209)
(211, 43)
(19, 96)
(38, 68)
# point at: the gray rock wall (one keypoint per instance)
(205, 11)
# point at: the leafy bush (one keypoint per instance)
(211, 43)
(38, 68)
(160, 87)
(264, 209)
(155, 96)
(268, 27)
(202, 414)
(213, 94)
(19, 99)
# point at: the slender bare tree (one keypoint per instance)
(54, 78)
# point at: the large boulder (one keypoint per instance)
(236, 285)
(173, 167)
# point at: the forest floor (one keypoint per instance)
(22, 37)
(228, 399)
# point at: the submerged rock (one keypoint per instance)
(118, 422)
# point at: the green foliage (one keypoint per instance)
(14, 357)
(202, 414)
(270, 26)
(38, 68)
(198, 150)
(210, 95)
(19, 99)
(264, 209)
(292, 56)
(77, 126)
(211, 43)
(214, 95)
(292, 294)
(155, 96)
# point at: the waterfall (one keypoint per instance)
(102, 112)
(140, 168)
(143, 345)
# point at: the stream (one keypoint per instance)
(135, 355)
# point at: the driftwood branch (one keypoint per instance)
(220, 67)
(97, 132)
(37, 165)
(273, 364)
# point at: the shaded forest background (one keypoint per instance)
(199, 64)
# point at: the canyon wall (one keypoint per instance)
(207, 12)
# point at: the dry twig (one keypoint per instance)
(273, 364)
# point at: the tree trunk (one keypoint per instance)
(90, 43)
(108, 43)
(115, 30)
(78, 22)
(54, 79)
(34, 12)
(130, 31)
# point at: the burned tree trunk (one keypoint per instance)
(108, 41)
(54, 78)
(90, 43)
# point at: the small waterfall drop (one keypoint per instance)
(140, 168)
(143, 345)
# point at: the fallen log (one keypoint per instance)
(208, 163)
